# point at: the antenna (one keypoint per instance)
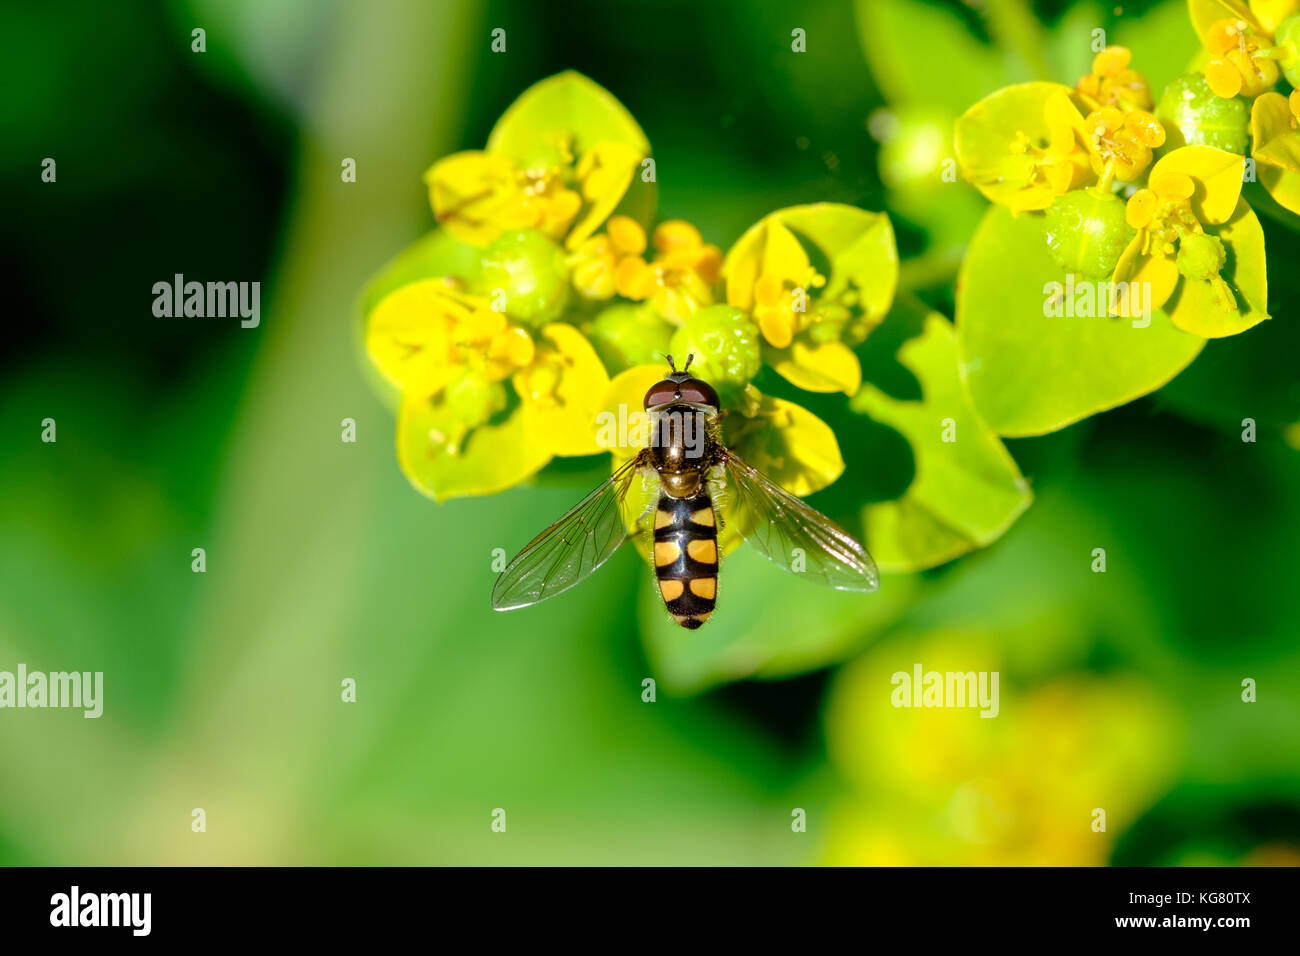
(689, 359)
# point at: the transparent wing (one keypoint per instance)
(572, 548)
(790, 533)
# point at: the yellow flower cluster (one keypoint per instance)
(554, 282)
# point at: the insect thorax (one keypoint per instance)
(684, 442)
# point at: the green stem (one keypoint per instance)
(1102, 190)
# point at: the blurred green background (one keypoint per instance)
(1119, 690)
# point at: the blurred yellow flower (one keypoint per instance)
(942, 785)
(1113, 82)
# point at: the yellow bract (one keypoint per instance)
(1275, 135)
(788, 443)
(1270, 13)
(1024, 145)
(409, 336)
(623, 410)
(562, 391)
(774, 280)
(449, 354)
(939, 786)
(819, 367)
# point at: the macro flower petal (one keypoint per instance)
(410, 336)
(562, 391)
(445, 460)
(1217, 174)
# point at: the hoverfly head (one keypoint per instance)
(681, 387)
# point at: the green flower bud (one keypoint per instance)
(1194, 116)
(725, 345)
(1086, 232)
(627, 335)
(1200, 256)
(531, 271)
(826, 331)
(472, 399)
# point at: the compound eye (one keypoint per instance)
(660, 393)
(699, 393)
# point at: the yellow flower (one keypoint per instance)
(1187, 220)
(596, 263)
(1240, 59)
(679, 279)
(561, 392)
(1057, 166)
(927, 784)
(1024, 145)
(808, 320)
(450, 354)
(477, 195)
(1113, 83)
(1122, 141)
(783, 287)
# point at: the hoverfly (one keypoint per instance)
(694, 484)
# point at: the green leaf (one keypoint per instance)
(895, 32)
(967, 489)
(1030, 373)
(768, 624)
(435, 255)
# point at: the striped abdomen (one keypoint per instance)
(686, 557)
